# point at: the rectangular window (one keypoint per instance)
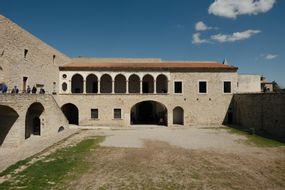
(178, 87)
(117, 114)
(227, 87)
(94, 113)
(25, 53)
(202, 87)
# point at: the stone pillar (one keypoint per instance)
(141, 86)
(169, 117)
(113, 86)
(84, 86)
(69, 87)
(127, 87)
(154, 86)
(99, 90)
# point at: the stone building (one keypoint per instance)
(107, 92)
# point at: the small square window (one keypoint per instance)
(177, 87)
(94, 113)
(117, 114)
(202, 87)
(227, 87)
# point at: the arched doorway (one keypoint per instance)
(71, 113)
(77, 84)
(149, 113)
(106, 84)
(178, 116)
(8, 117)
(91, 84)
(33, 119)
(134, 84)
(120, 84)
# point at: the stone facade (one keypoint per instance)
(207, 108)
(24, 55)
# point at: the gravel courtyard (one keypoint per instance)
(167, 158)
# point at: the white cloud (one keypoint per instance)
(197, 40)
(234, 8)
(236, 36)
(201, 26)
(269, 56)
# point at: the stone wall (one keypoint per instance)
(261, 111)
(248, 83)
(24, 55)
(209, 108)
(16, 107)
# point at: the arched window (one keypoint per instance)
(148, 84)
(77, 84)
(91, 84)
(178, 116)
(106, 84)
(134, 84)
(120, 84)
(161, 84)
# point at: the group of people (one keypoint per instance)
(15, 90)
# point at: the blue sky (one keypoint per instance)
(251, 37)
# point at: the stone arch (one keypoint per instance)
(8, 116)
(92, 84)
(149, 113)
(134, 84)
(106, 84)
(120, 84)
(77, 83)
(71, 113)
(161, 84)
(148, 84)
(178, 116)
(34, 116)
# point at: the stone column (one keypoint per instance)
(141, 86)
(127, 87)
(99, 90)
(154, 86)
(69, 87)
(84, 86)
(113, 86)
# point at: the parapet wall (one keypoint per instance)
(16, 113)
(261, 111)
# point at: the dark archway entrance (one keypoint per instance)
(71, 113)
(33, 120)
(8, 117)
(149, 113)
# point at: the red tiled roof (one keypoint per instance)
(93, 64)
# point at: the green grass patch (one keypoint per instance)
(51, 171)
(254, 139)
(13, 167)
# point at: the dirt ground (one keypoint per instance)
(197, 158)
(177, 158)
